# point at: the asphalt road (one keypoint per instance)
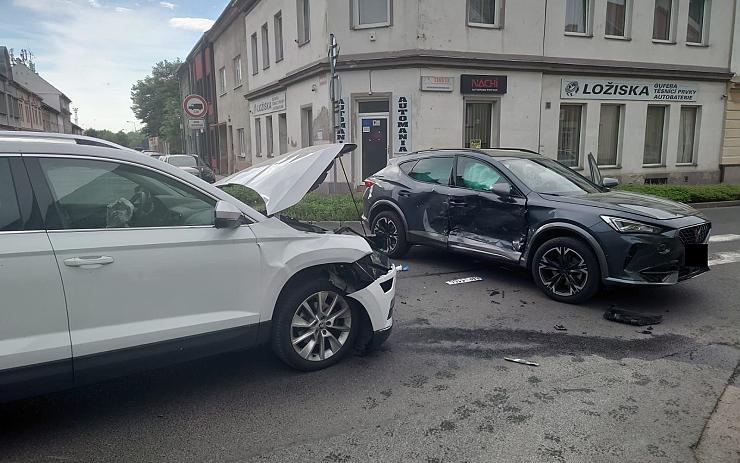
(439, 390)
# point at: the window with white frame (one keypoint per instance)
(237, 70)
(483, 13)
(265, 47)
(283, 133)
(222, 80)
(687, 134)
(578, 17)
(255, 59)
(618, 16)
(371, 13)
(664, 20)
(241, 143)
(269, 136)
(610, 134)
(655, 135)
(278, 30)
(569, 134)
(303, 10)
(696, 30)
(258, 137)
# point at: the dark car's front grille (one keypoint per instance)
(696, 234)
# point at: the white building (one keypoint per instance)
(639, 83)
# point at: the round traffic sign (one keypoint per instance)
(195, 106)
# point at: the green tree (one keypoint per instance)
(127, 139)
(156, 102)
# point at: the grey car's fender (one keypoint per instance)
(387, 202)
(580, 232)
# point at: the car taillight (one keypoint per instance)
(369, 182)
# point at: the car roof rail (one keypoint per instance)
(507, 148)
(50, 137)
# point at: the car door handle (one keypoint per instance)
(88, 262)
(457, 202)
(404, 193)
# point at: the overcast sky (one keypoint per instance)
(95, 50)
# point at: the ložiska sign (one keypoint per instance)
(402, 132)
(587, 89)
(269, 104)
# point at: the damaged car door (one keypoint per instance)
(427, 207)
(487, 212)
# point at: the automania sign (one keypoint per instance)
(482, 84)
(402, 135)
(342, 128)
(625, 90)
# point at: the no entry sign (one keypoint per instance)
(195, 106)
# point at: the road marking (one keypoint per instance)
(718, 258)
(724, 238)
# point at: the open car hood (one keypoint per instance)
(284, 181)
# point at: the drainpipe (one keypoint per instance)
(542, 75)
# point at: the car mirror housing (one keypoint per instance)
(609, 182)
(501, 189)
(228, 215)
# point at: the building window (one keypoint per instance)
(303, 9)
(269, 135)
(483, 13)
(569, 134)
(278, 27)
(306, 127)
(663, 20)
(654, 131)
(617, 18)
(478, 119)
(241, 143)
(255, 59)
(695, 32)
(222, 81)
(610, 134)
(687, 134)
(265, 47)
(258, 137)
(371, 13)
(237, 71)
(577, 15)
(283, 133)
(3, 104)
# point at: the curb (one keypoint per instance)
(712, 204)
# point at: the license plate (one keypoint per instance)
(696, 255)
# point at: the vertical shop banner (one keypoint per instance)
(342, 122)
(402, 125)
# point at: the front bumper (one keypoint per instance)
(378, 299)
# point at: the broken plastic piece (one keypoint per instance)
(631, 318)
(645, 332)
(523, 362)
(464, 280)
(560, 328)
(402, 268)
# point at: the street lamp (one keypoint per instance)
(134, 123)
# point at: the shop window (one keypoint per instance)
(283, 133)
(241, 143)
(569, 134)
(663, 20)
(255, 59)
(258, 137)
(654, 135)
(610, 134)
(618, 17)
(278, 29)
(306, 127)
(687, 134)
(433, 170)
(578, 17)
(483, 13)
(265, 47)
(696, 28)
(371, 13)
(269, 136)
(478, 128)
(303, 9)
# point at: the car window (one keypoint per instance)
(548, 176)
(407, 166)
(100, 194)
(182, 161)
(477, 175)
(433, 170)
(10, 214)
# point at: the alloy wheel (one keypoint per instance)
(321, 325)
(563, 271)
(387, 230)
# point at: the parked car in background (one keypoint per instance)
(111, 261)
(191, 164)
(572, 233)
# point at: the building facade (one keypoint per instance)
(9, 107)
(730, 162)
(50, 96)
(639, 84)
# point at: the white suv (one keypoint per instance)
(112, 261)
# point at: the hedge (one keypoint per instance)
(688, 193)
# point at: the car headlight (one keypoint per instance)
(374, 265)
(630, 226)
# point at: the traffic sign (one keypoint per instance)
(195, 106)
(195, 124)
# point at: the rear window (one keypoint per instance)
(407, 166)
(10, 214)
(433, 170)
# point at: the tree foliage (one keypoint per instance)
(127, 139)
(156, 102)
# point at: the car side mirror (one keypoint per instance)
(228, 215)
(501, 189)
(609, 182)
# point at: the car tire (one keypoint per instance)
(298, 333)
(390, 228)
(567, 270)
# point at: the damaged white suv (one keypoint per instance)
(112, 261)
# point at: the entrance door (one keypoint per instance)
(374, 144)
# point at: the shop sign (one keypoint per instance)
(437, 84)
(402, 125)
(269, 104)
(589, 89)
(342, 121)
(482, 84)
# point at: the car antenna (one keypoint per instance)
(357, 208)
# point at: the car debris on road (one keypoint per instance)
(615, 314)
(464, 280)
(522, 361)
